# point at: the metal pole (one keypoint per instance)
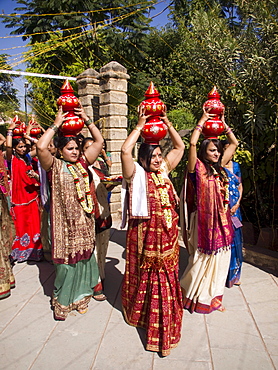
(25, 101)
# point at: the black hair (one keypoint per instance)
(80, 137)
(145, 153)
(64, 140)
(105, 145)
(202, 154)
(86, 140)
(18, 140)
(15, 142)
(224, 142)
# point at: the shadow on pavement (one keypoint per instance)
(113, 283)
(46, 276)
(118, 236)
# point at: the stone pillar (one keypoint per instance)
(113, 119)
(88, 92)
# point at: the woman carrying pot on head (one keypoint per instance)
(151, 294)
(72, 219)
(25, 202)
(208, 229)
(236, 190)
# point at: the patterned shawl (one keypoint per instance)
(214, 223)
(73, 230)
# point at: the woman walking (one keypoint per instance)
(236, 190)
(24, 199)
(208, 233)
(151, 294)
(72, 220)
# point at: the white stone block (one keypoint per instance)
(117, 97)
(114, 146)
(113, 110)
(116, 134)
(114, 122)
(113, 84)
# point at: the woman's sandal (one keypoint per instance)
(221, 308)
(100, 297)
(82, 312)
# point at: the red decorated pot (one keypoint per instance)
(72, 125)
(153, 105)
(154, 131)
(214, 105)
(213, 128)
(19, 129)
(67, 100)
(35, 131)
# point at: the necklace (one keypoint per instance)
(87, 206)
(225, 183)
(164, 197)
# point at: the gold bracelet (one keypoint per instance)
(54, 128)
(139, 129)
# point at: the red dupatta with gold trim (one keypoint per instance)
(214, 222)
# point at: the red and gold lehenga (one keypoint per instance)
(25, 212)
(151, 294)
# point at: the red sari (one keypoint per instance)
(151, 294)
(25, 212)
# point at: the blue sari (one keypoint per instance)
(236, 252)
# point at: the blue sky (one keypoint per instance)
(14, 45)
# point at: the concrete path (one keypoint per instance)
(245, 336)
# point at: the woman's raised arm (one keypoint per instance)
(44, 155)
(128, 145)
(175, 155)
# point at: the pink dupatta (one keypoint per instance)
(214, 222)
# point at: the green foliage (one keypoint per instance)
(231, 44)
(8, 100)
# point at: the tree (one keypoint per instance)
(8, 99)
(68, 37)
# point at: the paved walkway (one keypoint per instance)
(245, 336)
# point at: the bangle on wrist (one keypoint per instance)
(198, 128)
(54, 128)
(87, 123)
(139, 129)
(228, 130)
(9, 133)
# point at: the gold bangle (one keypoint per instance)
(139, 129)
(54, 128)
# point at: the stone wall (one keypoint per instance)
(103, 95)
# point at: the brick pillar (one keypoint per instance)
(88, 92)
(113, 118)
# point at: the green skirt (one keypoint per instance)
(74, 286)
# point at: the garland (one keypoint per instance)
(164, 197)
(225, 183)
(87, 206)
